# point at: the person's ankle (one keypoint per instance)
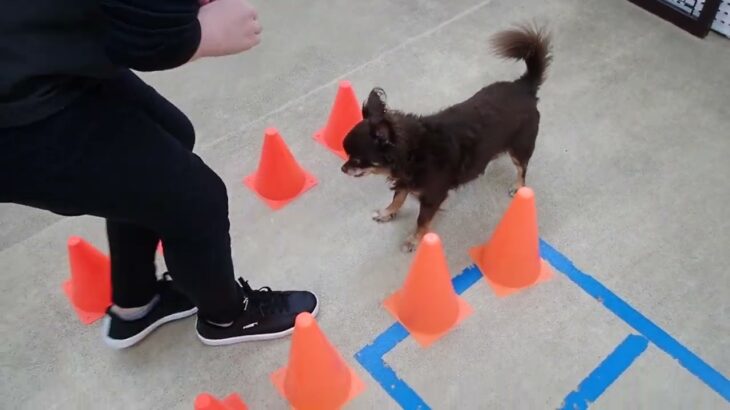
(135, 313)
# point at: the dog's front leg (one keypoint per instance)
(430, 204)
(387, 214)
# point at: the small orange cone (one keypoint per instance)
(346, 113)
(206, 401)
(279, 178)
(427, 304)
(89, 289)
(316, 378)
(510, 260)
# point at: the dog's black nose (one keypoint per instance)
(344, 168)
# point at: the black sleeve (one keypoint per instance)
(151, 35)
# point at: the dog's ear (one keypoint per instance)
(374, 107)
(374, 111)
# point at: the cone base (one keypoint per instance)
(234, 402)
(356, 385)
(86, 317)
(546, 273)
(427, 339)
(319, 137)
(309, 182)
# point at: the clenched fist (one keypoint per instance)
(227, 27)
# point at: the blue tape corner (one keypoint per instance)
(371, 356)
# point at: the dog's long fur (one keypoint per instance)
(427, 156)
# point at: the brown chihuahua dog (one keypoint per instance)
(427, 156)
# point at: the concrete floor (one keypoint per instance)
(630, 173)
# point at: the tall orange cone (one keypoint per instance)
(89, 289)
(279, 178)
(206, 401)
(510, 260)
(317, 378)
(427, 304)
(346, 113)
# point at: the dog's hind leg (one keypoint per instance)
(521, 152)
(521, 166)
(387, 214)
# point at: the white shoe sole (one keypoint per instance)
(124, 343)
(253, 338)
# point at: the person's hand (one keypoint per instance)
(227, 27)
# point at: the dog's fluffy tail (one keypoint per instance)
(528, 43)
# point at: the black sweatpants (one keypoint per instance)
(124, 153)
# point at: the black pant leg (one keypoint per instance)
(103, 156)
(132, 247)
(157, 108)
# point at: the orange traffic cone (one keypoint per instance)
(346, 113)
(89, 289)
(427, 304)
(510, 261)
(316, 378)
(205, 401)
(279, 178)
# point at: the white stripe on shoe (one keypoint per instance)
(253, 338)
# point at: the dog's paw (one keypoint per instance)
(383, 216)
(409, 245)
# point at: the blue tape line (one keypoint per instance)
(606, 373)
(466, 279)
(633, 318)
(371, 358)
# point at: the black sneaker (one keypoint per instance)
(266, 314)
(172, 305)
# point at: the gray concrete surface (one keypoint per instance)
(630, 173)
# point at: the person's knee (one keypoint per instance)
(186, 133)
(211, 201)
(201, 207)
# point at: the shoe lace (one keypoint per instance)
(267, 301)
